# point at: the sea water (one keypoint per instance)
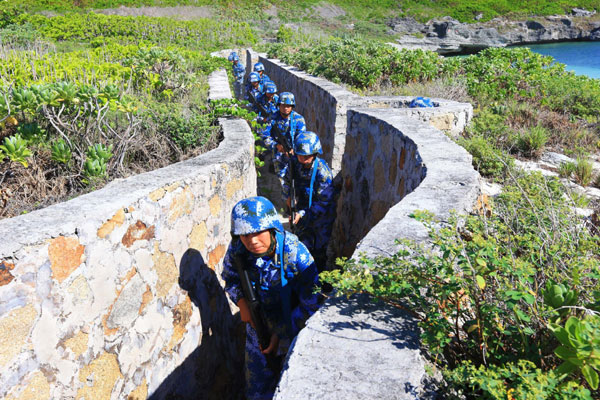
(583, 58)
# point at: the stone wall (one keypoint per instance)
(322, 104)
(116, 294)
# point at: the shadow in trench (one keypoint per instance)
(214, 370)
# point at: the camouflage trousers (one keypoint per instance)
(261, 381)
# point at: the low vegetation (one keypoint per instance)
(507, 302)
(86, 98)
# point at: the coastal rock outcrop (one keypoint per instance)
(447, 35)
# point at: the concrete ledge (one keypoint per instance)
(355, 349)
(447, 116)
(219, 85)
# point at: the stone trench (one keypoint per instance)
(117, 294)
(388, 160)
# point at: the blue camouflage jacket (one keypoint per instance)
(301, 273)
(239, 70)
(294, 120)
(321, 209)
(270, 106)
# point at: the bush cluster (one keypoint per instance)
(508, 303)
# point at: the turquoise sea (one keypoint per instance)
(580, 57)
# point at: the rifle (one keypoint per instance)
(260, 325)
(282, 139)
(261, 109)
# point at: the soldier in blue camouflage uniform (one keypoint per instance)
(268, 103)
(315, 196)
(288, 122)
(283, 273)
(260, 69)
(239, 70)
(254, 91)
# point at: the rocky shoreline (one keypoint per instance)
(449, 36)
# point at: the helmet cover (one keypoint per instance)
(307, 143)
(287, 98)
(254, 77)
(271, 87)
(253, 215)
(259, 67)
(232, 56)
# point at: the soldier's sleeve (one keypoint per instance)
(232, 280)
(304, 284)
(323, 193)
(300, 124)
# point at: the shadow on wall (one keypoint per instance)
(215, 368)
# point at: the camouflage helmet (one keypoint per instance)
(235, 58)
(253, 77)
(253, 215)
(232, 56)
(307, 143)
(258, 67)
(270, 87)
(287, 98)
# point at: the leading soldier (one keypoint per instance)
(281, 274)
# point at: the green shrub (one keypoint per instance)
(521, 380)
(566, 169)
(487, 159)
(61, 152)
(583, 171)
(532, 141)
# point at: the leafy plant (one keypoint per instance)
(100, 152)
(61, 152)
(487, 292)
(15, 147)
(580, 347)
(94, 168)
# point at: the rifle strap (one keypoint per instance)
(285, 288)
(293, 129)
(312, 181)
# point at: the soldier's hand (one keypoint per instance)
(297, 218)
(245, 311)
(273, 345)
(280, 148)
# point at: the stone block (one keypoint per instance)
(78, 344)
(66, 254)
(5, 276)
(137, 231)
(99, 377)
(117, 220)
(127, 307)
(34, 387)
(15, 328)
(168, 274)
(181, 205)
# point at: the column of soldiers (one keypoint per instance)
(271, 273)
